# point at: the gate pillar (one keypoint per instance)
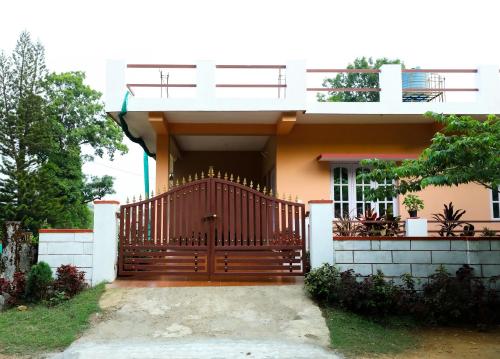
(105, 247)
(321, 232)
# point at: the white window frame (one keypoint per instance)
(492, 203)
(351, 180)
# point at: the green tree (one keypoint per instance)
(45, 122)
(356, 80)
(465, 150)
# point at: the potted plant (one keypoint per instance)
(413, 203)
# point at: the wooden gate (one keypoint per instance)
(212, 227)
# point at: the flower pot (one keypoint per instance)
(413, 213)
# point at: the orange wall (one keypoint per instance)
(298, 172)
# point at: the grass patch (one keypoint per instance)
(42, 329)
(352, 334)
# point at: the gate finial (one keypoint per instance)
(238, 179)
(290, 197)
(189, 178)
(296, 198)
(218, 175)
(177, 182)
(264, 190)
(152, 193)
(225, 176)
(196, 176)
(202, 175)
(140, 197)
(183, 180)
(133, 199)
(251, 184)
(244, 181)
(211, 172)
(231, 178)
(127, 200)
(258, 187)
(271, 192)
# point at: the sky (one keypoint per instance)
(82, 35)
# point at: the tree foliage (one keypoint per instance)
(356, 80)
(45, 119)
(465, 150)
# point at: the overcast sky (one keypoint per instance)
(81, 35)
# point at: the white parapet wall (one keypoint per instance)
(67, 246)
(93, 251)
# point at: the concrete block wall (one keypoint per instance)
(67, 246)
(92, 251)
(418, 257)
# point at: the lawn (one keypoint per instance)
(42, 329)
(352, 334)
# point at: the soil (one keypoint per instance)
(454, 343)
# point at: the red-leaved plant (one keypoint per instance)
(69, 280)
(15, 289)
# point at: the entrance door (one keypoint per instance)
(212, 227)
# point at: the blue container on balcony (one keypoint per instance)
(414, 79)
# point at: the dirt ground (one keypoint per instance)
(453, 343)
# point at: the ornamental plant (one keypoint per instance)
(39, 282)
(413, 204)
(69, 280)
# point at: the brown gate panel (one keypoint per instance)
(213, 227)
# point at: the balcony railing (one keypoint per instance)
(295, 85)
(383, 228)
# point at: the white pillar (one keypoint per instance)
(488, 83)
(321, 232)
(391, 84)
(115, 85)
(416, 227)
(296, 93)
(205, 80)
(105, 248)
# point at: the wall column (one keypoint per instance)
(321, 232)
(158, 121)
(105, 244)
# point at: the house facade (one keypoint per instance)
(270, 130)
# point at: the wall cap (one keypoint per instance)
(106, 202)
(316, 201)
(65, 230)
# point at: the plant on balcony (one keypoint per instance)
(413, 204)
(346, 226)
(449, 220)
(373, 225)
(486, 232)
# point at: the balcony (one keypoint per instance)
(206, 88)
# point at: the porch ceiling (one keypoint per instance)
(221, 143)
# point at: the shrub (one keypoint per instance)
(446, 299)
(320, 283)
(14, 289)
(69, 280)
(461, 299)
(39, 282)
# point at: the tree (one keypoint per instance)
(45, 120)
(465, 150)
(356, 80)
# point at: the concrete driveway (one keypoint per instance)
(205, 322)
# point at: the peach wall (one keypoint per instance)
(162, 162)
(298, 172)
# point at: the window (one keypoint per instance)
(348, 193)
(495, 202)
